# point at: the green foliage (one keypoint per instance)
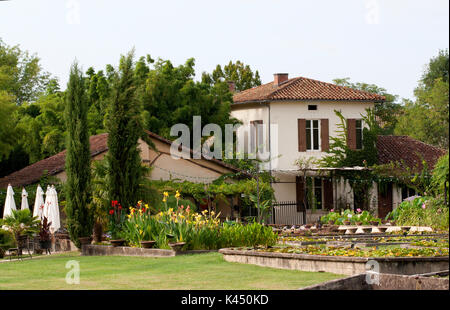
(338, 218)
(78, 158)
(386, 111)
(6, 241)
(440, 176)
(7, 129)
(21, 74)
(125, 128)
(427, 118)
(422, 211)
(21, 222)
(241, 74)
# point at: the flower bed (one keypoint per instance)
(197, 231)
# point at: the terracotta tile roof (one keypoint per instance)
(408, 150)
(56, 163)
(301, 88)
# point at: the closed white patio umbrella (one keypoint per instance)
(10, 204)
(53, 210)
(47, 202)
(39, 202)
(24, 200)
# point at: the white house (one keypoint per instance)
(302, 118)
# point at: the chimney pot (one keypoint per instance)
(279, 78)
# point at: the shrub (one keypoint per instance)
(422, 211)
(338, 218)
(6, 241)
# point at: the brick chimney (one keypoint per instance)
(232, 86)
(279, 78)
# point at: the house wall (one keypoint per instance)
(285, 114)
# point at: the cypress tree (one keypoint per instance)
(79, 218)
(124, 126)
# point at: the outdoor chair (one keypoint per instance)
(23, 242)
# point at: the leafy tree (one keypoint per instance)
(386, 112)
(427, 119)
(124, 126)
(79, 217)
(238, 72)
(21, 74)
(7, 128)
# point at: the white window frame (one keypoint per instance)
(362, 132)
(312, 136)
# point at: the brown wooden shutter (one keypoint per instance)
(300, 193)
(328, 194)
(351, 133)
(324, 134)
(302, 135)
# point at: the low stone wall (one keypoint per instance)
(385, 282)
(101, 250)
(336, 264)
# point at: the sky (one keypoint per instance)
(384, 42)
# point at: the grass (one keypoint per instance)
(200, 271)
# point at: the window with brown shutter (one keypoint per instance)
(324, 134)
(302, 135)
(351, 133)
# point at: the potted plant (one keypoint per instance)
(45, 241)
(115, 223)
(175, 245)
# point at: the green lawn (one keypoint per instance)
(201, 271)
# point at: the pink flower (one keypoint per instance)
(424, 206)
(358, 210)
(332, 210)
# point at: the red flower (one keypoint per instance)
(120, 207)
(114, 203)
(111, 212)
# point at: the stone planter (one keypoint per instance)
(177, 246)
(85, 240)
(147, 244)
(45, 245)
(118, 242)
(346, 222)
(374, 223)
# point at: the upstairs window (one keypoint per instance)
(312, 135)
(359, 134)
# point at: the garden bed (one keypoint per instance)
(102, 250)
(335, 264)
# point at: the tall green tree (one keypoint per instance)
(427, 118)
(21, 74)
(7, 127)
(386, 112)
(78, 196)
(238, 72)
(124, 126)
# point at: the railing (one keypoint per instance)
(286, 213)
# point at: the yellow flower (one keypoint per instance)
(146, 206)
(164, 199)
(140, 231)
(166, 194)
(177, 194)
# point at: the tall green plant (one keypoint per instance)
(125, 128)
(79, 217)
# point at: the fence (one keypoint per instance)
(285, 213)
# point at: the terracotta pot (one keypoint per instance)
(177, 246)
(358, 223)
(331, 222)
(374, 223)
(347, 222)
(147, 244)
(118, 242)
